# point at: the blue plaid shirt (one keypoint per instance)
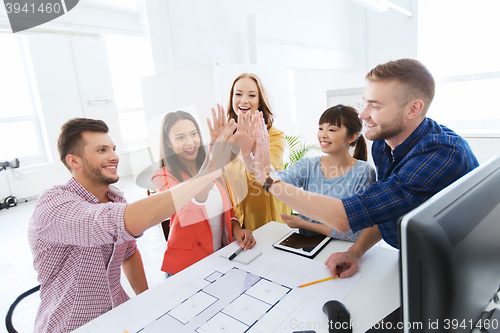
(430, 159)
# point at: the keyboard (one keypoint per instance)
(389, 324)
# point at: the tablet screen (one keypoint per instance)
(307, 246)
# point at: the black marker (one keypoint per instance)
(232, 256)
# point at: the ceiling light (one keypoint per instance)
(382, 6)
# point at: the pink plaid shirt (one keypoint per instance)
(78, 245)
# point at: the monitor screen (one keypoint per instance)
(450, 254)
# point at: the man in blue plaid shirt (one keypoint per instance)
(415, 158)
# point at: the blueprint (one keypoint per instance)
(218, 295)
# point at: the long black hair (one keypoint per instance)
(168, 158)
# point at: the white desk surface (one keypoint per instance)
(374, 296)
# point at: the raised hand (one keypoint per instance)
(221, 152)
(246, 130)
(262, 160)
(219, 119)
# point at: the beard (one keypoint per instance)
(95, 174)
(387, 130)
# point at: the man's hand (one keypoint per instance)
(343, 264)
(346, 264)
(262, 160)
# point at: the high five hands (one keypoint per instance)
(244, 137)
(262, 160)
(222, 142)
(251, 136)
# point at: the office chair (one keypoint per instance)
(165, 225)
(8, 318)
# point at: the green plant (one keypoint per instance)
(297, 149)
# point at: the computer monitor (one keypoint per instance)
(450, 254)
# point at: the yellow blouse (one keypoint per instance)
(252, 204)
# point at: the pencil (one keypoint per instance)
(322, 280)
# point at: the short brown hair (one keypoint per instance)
(263, 101)
(70, 139)
(416, 79)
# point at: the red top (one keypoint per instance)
(190, 238)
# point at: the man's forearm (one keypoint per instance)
(367, 238)
(321, 208)
(134, 271)
(145, 213)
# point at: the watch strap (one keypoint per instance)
(267, 184)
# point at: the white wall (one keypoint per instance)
(290, 33)
(68, 73)
(326, 44)
(391, 35)
(323, 42)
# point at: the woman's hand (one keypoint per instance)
(244, 237)
(219, 119)
(221, 152)
(246, 130)
(293, 221)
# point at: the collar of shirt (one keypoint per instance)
(114, 194)
(415, 137)
(393, 157)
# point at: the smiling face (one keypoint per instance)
(333, 139)
(384, 119)
(99, 159)
(184, 140)
(246, 96)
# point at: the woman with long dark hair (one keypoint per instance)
(207, 223)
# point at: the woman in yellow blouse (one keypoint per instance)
(253, 206)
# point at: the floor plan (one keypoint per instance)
(219, 295)
(232, 301)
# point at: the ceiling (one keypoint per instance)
(128, 6)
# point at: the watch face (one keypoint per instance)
(274, 175)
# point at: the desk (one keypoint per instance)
(374, 296)
(377, 292)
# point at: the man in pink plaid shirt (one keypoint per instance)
(83, 232)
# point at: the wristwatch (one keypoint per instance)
(271, 179)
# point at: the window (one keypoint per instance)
(130, 59)
(20, 114)
(458, 42)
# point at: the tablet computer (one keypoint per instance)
(307, 246)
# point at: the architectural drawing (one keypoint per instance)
(231, 301)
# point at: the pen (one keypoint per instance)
(232, 256)
(322, 280)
